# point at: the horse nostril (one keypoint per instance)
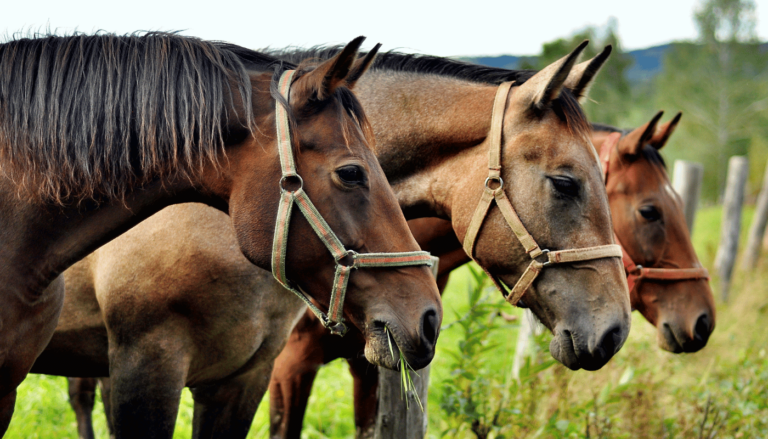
(429, 326)
(701, 330)
(611, 342)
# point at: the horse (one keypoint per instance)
(98, 132)
(560, 169)
(648, 220)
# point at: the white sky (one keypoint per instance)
(448, 27)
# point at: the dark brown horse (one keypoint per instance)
(648, 220)
(99, 132)
(437, 162)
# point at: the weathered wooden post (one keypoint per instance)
(687, 182)
(738, 169)
(529, 327)
(757, 229)
(394, 420)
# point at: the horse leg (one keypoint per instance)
(106, 398)
(147, 379)
(26, 326)
(365, 377)
(289, 395)
(7, 403)
(226, 409)
(82, 396)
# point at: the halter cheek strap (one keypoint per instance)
(637, 273)
(540, 258)
(288, 197)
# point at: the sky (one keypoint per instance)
(444, 28)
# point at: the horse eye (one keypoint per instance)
(650, 213)
(565, 185)
(351, 174)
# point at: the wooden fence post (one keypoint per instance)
(393, 420)
(687, 182)
(529, 327)
(757, 228)
(738, 169)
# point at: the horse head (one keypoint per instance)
(356, 213)
(649, 221)
(557, 192)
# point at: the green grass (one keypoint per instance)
(642, 392)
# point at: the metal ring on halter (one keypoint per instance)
(338, 329)
(545, 252)
(501, 182)
(351, 253)
(285, 178)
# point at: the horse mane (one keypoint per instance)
(92, 116)
(566, 106)
(649, 153)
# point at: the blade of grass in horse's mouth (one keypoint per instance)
(406, 383)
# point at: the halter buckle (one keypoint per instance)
(497, 179)
(545, 253)
(288, 179)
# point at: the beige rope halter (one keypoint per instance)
(540, 258)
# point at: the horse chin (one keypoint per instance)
(377, 348)
(561, 348)
(384, 348)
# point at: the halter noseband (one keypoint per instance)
(540, 258)
(637, 273)
(334, 320)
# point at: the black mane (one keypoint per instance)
(90, 116)
(566, 106)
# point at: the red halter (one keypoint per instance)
(637, 273)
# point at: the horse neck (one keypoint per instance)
(425, 125)
(41, 240)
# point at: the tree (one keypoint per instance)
(721, 85)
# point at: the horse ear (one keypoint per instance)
(546, 85)
(361, 66)
(662, 134)
(583, 74)
(323, 80)
(633, 143)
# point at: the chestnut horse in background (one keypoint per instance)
(438, 167)
(648, 220)
(99, 132)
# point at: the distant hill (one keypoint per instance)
(647, 62)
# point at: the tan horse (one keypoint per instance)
(99, 132)
(558, 173)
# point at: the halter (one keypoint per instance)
(637, 273)
(540, 258)
(334, 320)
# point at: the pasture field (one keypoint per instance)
(721, 391)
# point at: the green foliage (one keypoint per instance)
(471, 400)
(721, 85)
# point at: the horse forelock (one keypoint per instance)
(348, 103)
(92, 116)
